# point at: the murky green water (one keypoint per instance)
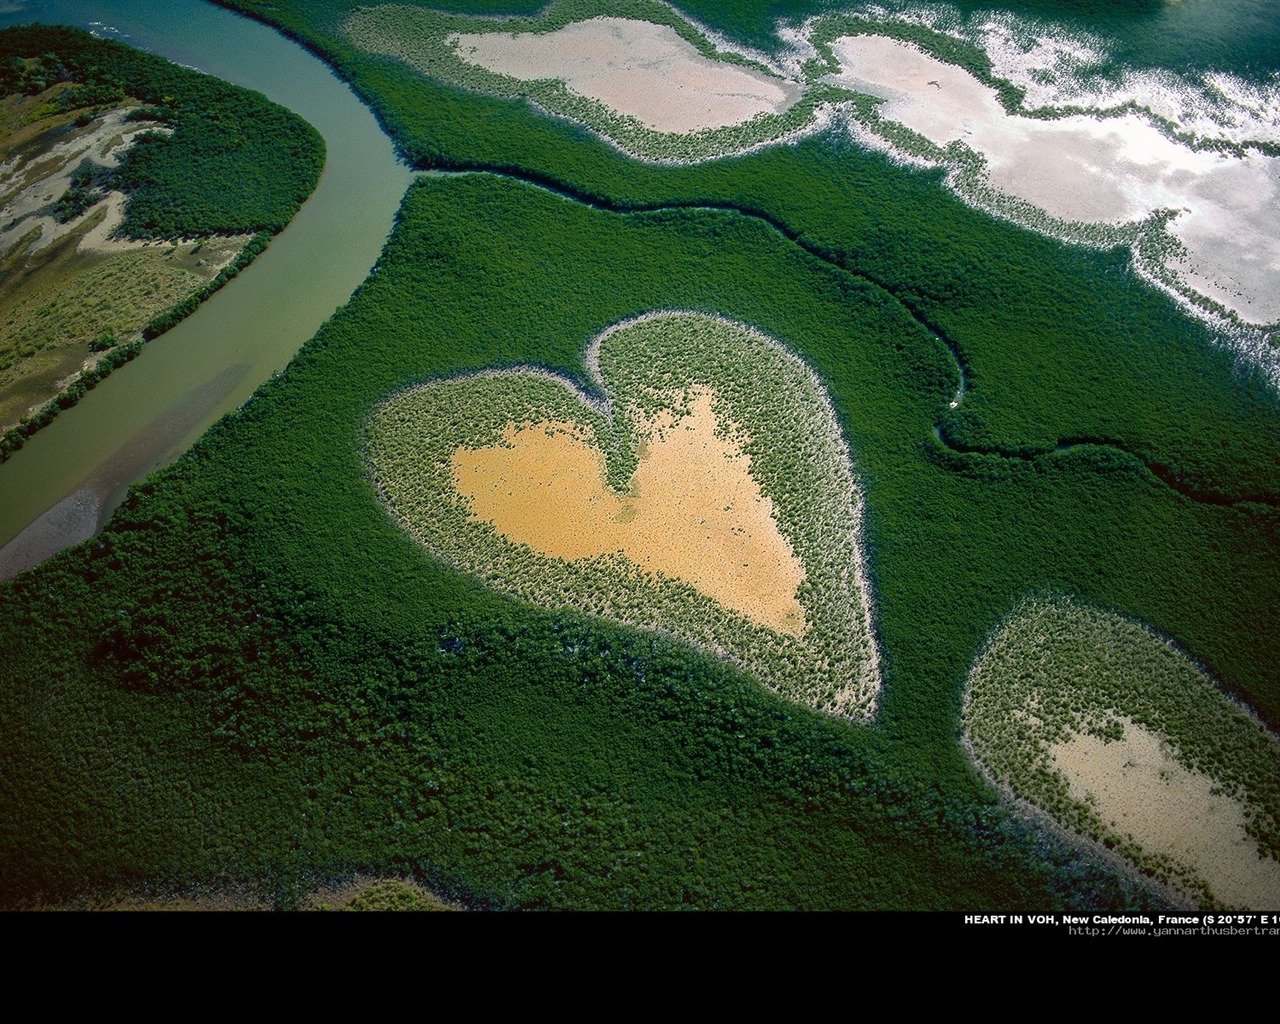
(150, 411)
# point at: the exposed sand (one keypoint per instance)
(637, 68)
(1092, 170)
(665, 527)
(31, 185)
(70, 521)
(64, 286)
(76, 517)
(98, 238)
(693, 511)
(1139, 789)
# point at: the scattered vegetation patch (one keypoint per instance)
(87, 188)
(379, 895)
(658, 373)
(1120, 736)
(60, 311)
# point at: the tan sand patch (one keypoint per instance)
(1139, 789)
(1094, 170)
(633, 67)
(694, 512)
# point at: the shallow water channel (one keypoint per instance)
(74, 472)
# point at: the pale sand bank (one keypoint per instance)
(1139, 789)
(70, 521)
(1094, 171)
(693, 511)
(77, 517)
(636, 68)
(31, 187)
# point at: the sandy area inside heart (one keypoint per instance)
(1138, 788)
(634, 67)
(693, 511)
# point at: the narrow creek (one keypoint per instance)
(64, 483)
(1162, 473)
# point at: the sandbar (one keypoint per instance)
(70, 521)
(646, 71)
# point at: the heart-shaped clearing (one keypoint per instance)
(711, 496)
(692, 510)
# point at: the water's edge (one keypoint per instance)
(149, 412)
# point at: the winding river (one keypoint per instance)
(64, 483)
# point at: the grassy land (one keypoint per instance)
(61, 308)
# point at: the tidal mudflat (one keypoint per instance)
(666, 93)
(1222, 209)
(692, 510)
(636, 68)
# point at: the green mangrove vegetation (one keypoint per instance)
(232, 162)
(256, 676)
(353, 701)
(783, 423)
